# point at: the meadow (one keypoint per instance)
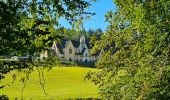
(60, 83)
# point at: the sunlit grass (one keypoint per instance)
(61, 83)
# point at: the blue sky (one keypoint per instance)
(100, 7)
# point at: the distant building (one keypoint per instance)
(71, 50)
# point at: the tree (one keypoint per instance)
(21, 19)
(138, 66)
(99, 30)
(28, 27)
(89, 32)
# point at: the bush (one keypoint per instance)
(3, 97)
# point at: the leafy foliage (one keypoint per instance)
(27, 27)
(138, 66)
(4, 97)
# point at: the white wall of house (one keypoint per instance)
(70, 52)
(81, 46)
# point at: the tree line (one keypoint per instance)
(72, 34)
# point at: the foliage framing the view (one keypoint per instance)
(27, 27)
(136, 62)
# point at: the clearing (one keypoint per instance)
(60, 83)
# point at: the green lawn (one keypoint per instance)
(61, 83)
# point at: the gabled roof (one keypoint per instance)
(63, 42)
(61, 45)
(75, 43)
(60, 48)
(87, 43)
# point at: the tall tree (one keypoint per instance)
(138, 66)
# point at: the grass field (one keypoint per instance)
(61, 83)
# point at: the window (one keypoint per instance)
(70, 51)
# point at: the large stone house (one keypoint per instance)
(71, 50)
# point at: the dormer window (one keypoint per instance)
(70, 51)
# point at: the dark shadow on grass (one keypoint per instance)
(85, 99)
(82, 64)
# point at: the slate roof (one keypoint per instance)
(63, 42)
(60, 48)
(88, 44)
(75, 43)
(61, 45)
